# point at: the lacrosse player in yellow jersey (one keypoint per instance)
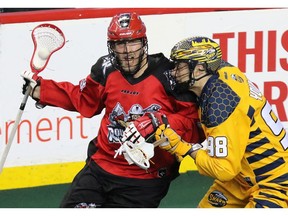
(247, 146)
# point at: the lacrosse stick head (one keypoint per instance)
(47, 39)
(139, 153)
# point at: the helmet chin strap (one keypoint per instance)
(193, 80)
(186, 85)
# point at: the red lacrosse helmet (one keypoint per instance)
(126, 26)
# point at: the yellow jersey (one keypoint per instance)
(245, 138)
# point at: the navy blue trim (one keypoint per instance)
(251, 112)
(261, 178)
(271, 196)
(265, 203)
(255, 133)
(269, 167)
(258, 157)
(280, 179)
(257, 144)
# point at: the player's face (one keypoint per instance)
(181, 72)
(129, 53)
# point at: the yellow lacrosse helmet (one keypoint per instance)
(198, 49)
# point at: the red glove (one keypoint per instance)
(144, 128)
(147, 125)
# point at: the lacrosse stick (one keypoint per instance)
(139, 153)
(142, 152)
(47, 39)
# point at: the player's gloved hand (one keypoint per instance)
(143, 128)
(131, 134)
(174, 144)
(148, 124)
(33, 80)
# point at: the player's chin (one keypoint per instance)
(129, 63)
(129, 68)
(130, 71)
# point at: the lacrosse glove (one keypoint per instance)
(144, 127)
(174, 144)
(33, 80)
(148, 124)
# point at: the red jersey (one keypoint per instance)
(126, 98)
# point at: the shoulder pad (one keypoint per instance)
(101, 69)
(218, 102)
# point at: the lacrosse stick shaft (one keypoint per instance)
(14, 129)
(159, 142)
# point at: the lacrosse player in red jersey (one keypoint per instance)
(247, 145)
(127, 83)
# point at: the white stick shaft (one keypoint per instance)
(159, 142)
(14, 129)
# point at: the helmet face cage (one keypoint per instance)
(131, 69)
(184, 86)
(124, 28)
